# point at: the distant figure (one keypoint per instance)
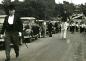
(35, 30)
(44, 29)
(72, 27)
(50, 29)
(27, 29)
(85, 27)
(82, 27)
(12, 29)
(77, 26)
(56, 27)
(64, 25)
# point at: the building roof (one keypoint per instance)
(28, 18)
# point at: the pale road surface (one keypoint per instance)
(52, 49)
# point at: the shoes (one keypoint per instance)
(64, 38)
(7, 59)
(17, 55)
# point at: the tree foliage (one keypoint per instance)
(59, 8)
(43, 9)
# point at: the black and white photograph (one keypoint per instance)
(42, 30)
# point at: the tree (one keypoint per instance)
(5, 4)
(58, 10)
(69, 7)
(41, 9)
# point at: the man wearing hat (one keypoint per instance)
(11, 29)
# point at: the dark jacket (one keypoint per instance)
(50, 27)
(64, 17)
(17, 26)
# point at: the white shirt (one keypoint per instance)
(11, 19)
(77, 25)
(73, 24)
(83, 25)
(64, 26)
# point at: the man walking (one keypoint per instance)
(50, 29)
(64, 25)
(11, 29)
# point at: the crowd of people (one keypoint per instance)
(49, 28)
(78, 27)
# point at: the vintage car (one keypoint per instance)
(28, 23)
(1, 25)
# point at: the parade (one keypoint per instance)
(42, 31)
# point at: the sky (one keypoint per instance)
(73, 1)
(11, 0)
(61, 1)
(1, 1)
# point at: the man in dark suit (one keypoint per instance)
(11, 29)
(50, 27)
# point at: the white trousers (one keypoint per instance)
(64, 33)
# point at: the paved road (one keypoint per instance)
(52, 49)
